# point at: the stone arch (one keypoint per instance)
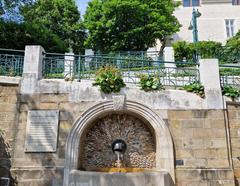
(164, 143)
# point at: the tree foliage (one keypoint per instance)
(120, 25)
(204, 49)
(16, 35)
(61, 17)
(230, 53)
(9, 9)
(232, 49)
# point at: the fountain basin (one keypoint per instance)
(148, 178)
(122, 169)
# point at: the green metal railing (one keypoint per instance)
(139, 55)
(53, 66)
(230, 75)
(84, 67)
(11, 62)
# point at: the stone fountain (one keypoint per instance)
(117, 149)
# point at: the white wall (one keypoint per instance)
(211, 25)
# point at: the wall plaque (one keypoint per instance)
(42, 131)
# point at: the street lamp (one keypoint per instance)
(193, 27)
(193, 24)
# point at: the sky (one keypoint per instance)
(82, 4)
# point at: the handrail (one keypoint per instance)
(11, 50)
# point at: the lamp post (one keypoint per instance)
(193, 25)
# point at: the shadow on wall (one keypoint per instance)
(5, 164)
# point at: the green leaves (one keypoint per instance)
(196, 88)
(61, 17)
(17, 35)
(231, 92)
(121, 25)
(205, 49)
(149, 83)
(230, 53)
(109, 79)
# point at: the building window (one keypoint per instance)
(189, 3)
(229, 27)
(236, 2)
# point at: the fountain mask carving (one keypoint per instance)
(97, 145)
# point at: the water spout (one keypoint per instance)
(119, 148)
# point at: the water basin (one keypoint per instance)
(121, 169)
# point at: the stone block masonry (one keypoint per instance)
(9, 106)
(233, 112)
(199, 138)
(205, 135)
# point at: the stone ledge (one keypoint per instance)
(10, 80)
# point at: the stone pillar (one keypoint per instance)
(169, 57)
(33, 61)
(68, 66)
(32, 68)
(88, 52)
(209, 77)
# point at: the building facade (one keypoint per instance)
(219, 20)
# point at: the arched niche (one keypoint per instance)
(97, 139)
(163, 140)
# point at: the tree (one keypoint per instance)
(58, 16)
(232, 49)
(120, 25)
(16, 35)
(9, 9)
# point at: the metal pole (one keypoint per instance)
(194, 22)
(193, 27)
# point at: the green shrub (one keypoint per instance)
(183, 51)
(196, 88)
(109, 79)
(149, 82)
(231, 51)
(204, 49)
(208, 49)
(230, 91)
(230, 71)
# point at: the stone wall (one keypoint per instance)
(8, 126)
(201, 147)
(199, 136)
(44, 168)
(234, 130)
